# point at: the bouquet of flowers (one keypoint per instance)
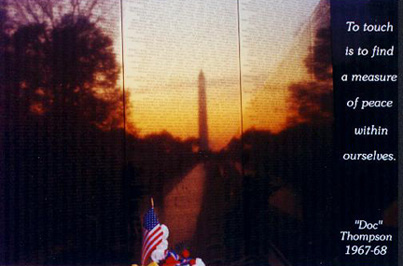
(155, 245)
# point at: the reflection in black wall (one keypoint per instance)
(69, 195)
(62, 159)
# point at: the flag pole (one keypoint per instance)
(152, 203)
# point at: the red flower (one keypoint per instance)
(170, 261)
(186, 253)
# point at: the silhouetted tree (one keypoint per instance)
(299, 160)
(61, 115)
(312, 101)
(319, 60)
(67, 68)
(50, 12)
(3, 25)
(4, 41)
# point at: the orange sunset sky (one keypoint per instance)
(167, 43)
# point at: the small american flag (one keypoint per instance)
(152, 235)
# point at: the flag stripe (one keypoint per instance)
(150, 234)
(151, 240)
(151, 243)
(148, 254)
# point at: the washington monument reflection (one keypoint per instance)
(203, 128)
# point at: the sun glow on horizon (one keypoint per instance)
(171, 41)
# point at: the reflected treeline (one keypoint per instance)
(288, 187)
(61, 137)
(67, 193)
(287, 191)
(74, 184)
(312, 101)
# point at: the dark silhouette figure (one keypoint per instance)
(203, 128)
